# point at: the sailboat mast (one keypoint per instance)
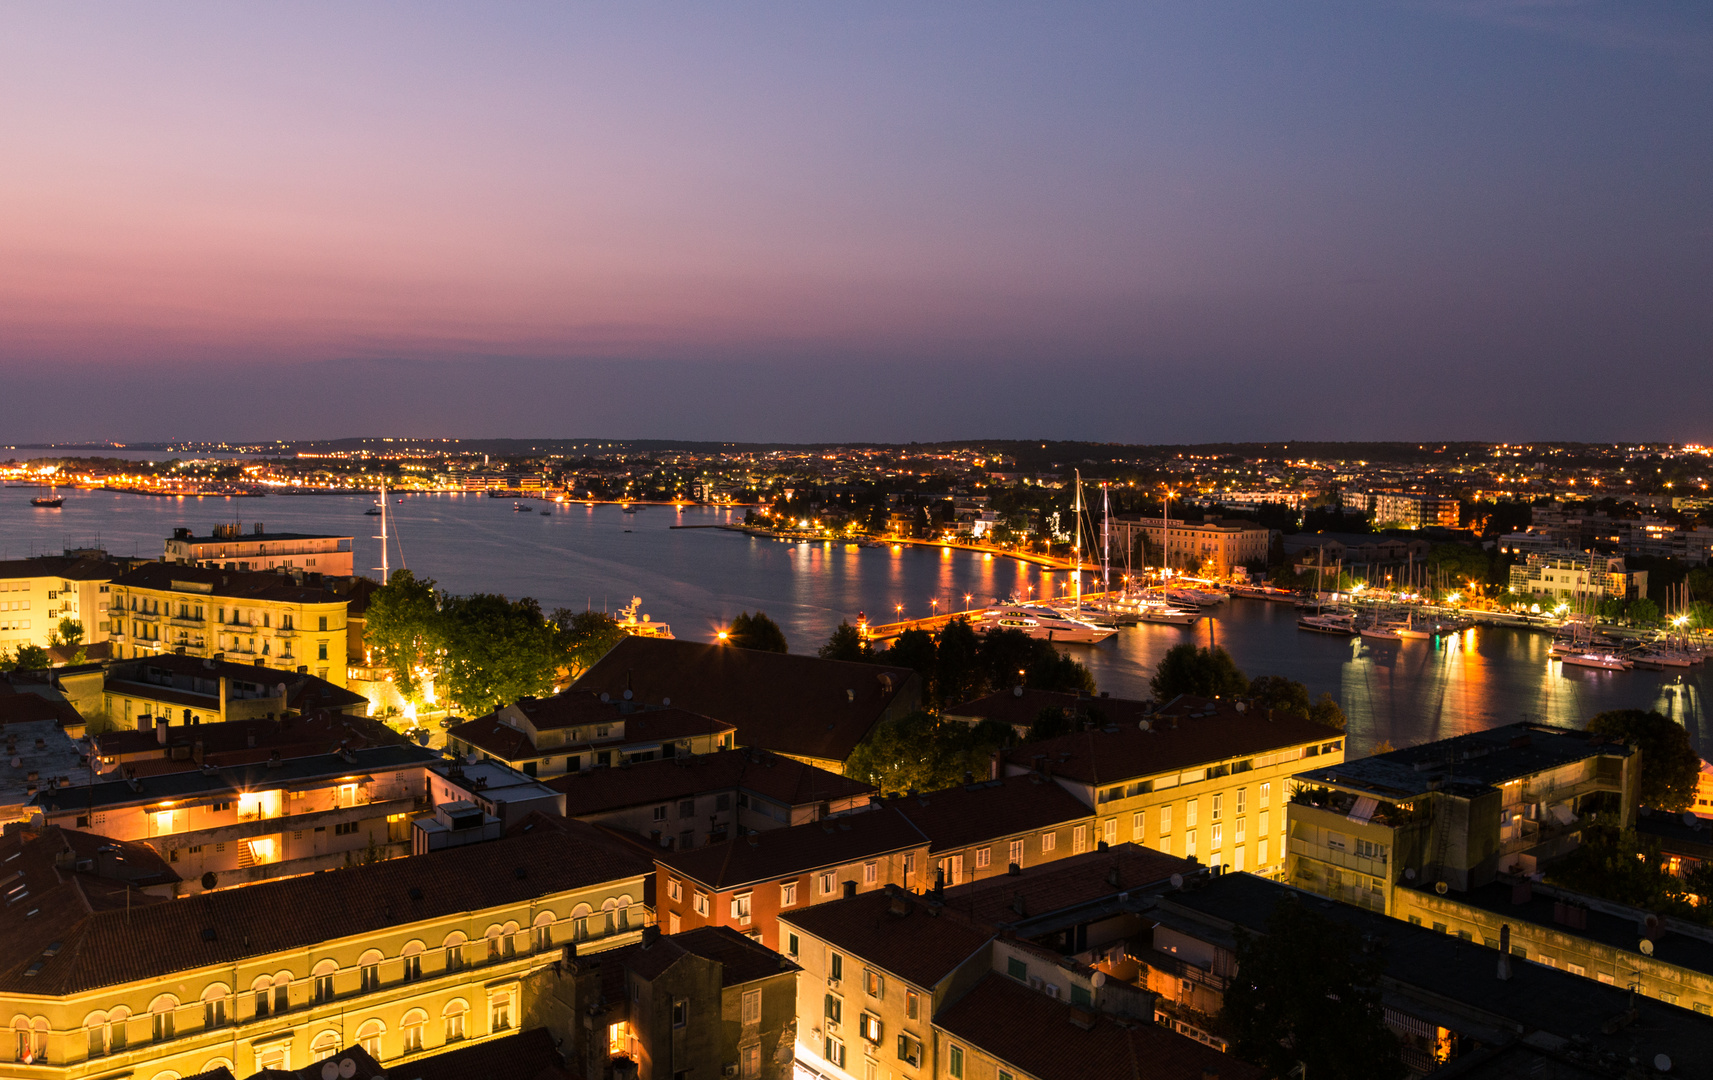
(1105, 539)
(1077, 543)
(386, 574)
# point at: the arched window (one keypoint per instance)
(325, 1045)
(454, 1014)
(510, 931)
(580, 922)
(412, 1026)
(544, 930)
(96, 1024)
(411, 954)
(369, 968)
(282, 991)
(161, 1013)
(322, 979)
(117, 1028)
(216, 1063)
(31, 1038)
(454, 946)
(262, 989)
(369, 1037)
(214, 1006)
(494, 937)
(165, 1074)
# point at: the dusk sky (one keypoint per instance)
(857, 221)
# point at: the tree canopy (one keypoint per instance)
(920, 751)
(404, 630)
(585, 637)
(1205, 672)
(847, 644)
(497, 650)
(1309, 991)
(1670, 765)
(756, 632)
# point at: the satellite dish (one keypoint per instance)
(1662, 1062)
(347, 1068)
(1647, 947)
(1440, 888)
(1144, 725)
(1099, 979)
(1409, 873)
(330, 1071)
(1691, 820)
(1177, 881)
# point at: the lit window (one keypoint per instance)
(870, 872)
(787, 893)
(500, 1007)
(1049, 841)
(741, 908)
(1015, 853)
(454, 1017)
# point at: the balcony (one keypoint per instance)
(1179, 968)
(1374, 868)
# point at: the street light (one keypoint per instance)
(966, 601)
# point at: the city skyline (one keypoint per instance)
(1179, 225)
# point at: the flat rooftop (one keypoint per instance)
(1467, 764)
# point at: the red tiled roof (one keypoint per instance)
(528, 1055)
(495, 736)
(1183, 733)
(777, 853)
(906, 935)
(319, 732)
(1052, 1040)
(242, 584)
(742, 959)
(781, 779)
(800, 705)
(1065, 883)
(989, 810)
(102, 946)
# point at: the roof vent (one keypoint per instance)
(208, 934)
(520, 873)
(627, 694)
(605, 697)
(1016, 691)
(415, 893)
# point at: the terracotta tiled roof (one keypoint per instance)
(319, 732)
(1066, 883)
(69, 567)
(961, 816)
(104, 947)
(782, 779)
(777, 853)
(742, 959)
(495, 736)
(1184, 733)
(239, 584)
(906, 935)
(799, 705)
(1051, 1040)
(528, 1055)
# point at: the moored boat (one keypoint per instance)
(48, 502)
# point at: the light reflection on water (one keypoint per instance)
(697, 579)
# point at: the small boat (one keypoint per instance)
(630, 509)
(1167, 616)
(1340, 623)
(1603, 660)
(48, 502)
(374, 511)
(547, 513)
(520, 508)
(1381, 633)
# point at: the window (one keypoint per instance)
(162, 1025)
(321, 651)
(909, 863)
(827, 882)
(912, 1005)
(686, 808)
(1241, 793)
(345, 829)
(700, 902)
(455, 956)
(369, 1037)
(787, 893)
(873, 983)
(1017, 969)
(1190, 844)
(1218, 802)
(1081, 996)
(1237, 833)
(660, 813)
(1109, 830)
(1079, 839)
(791, 946)
(835, 1052)
(675, 888)
(1576, 969)
(544, 934)
(740, 908)
(910, 1049)
(412, 962)
(454, 1017)
(1165, 819)
(412, 1026)
(262, 1000)
(214, 1009)
(835, 966)
(325, 1045)
(1015, 852)
(321, 626)
(752, 1007)
(282, 993)
(870, 872)
(680, 1012)
(500, 1012)
(1262, 826)
(751, 1062)
(1049, 841)
(1266, 793)
(674, 922)
(1218, 837)
(1190, 808)
(955, 1061)
(324, 987)
(869, 1026)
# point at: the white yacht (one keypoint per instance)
(1604, 660)
(1047, 624)
(1342, 623)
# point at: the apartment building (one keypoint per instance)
(1212, 548)
(702, 799)
(1199, 779)
(230, 548)
(985, 828)
(814, 710)
(289, 622)
(39, 753)
(159, 747)
(405, 958)
(578, 730)
(1457, 811)
(36, 594)
(155, 690)
(222, 826)
(707, 1002)
(1415, 509)
(1576, 577)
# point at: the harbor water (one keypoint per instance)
(697, 579)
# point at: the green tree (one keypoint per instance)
(847, 644)
(31, 658)
(585, 637)
(1622, 867)
(756, 632)
(1005, 656)
(1050, 669)
(405, 630)
(1204, 672)
(1281, 695)
(71, 631)
(915, 649)
(958, 674)
(909, 752)
(497, 650)
(1050, 723)
(1327, 713)
(1670, 765)
(1642, 612)
(1308, 990)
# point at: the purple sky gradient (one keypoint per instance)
(824, 221)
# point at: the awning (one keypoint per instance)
(1364, 809)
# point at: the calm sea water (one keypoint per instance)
(697, 579)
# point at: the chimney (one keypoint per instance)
(161, 730)
(1505, 953)
(650, 934)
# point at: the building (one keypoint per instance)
(814, 710)
(1211, 548)
(526, 1055)
(746, 882)
(708, 798)
(230, 548)
(578, 730)
(153, 691)
(405, 958)
(37, 594)
(1456, 811)
(1205, 780)
(1576, 578)
(707, 1002)
(221, 826)
(289, 622)
(1373, 553)
(1455, 1001)
(164, 748)
(498, 790)
(39, 753)
(983, 829)
(1415, 510)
